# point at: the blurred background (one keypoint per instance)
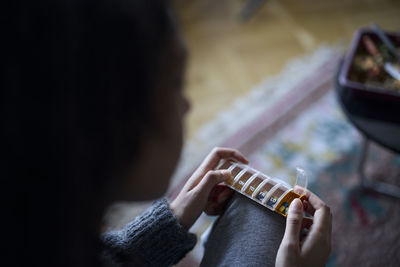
(229, 54)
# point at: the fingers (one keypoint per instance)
(219, 153)
(312, 202)
(322, 221)
(321, 228)
(218, 200)
(293, 224)
(224, 195)
(217, 191)
(211, 162)
(319, 236)
(299, 190)
(189, 204)
(211, 179)
(307, 222)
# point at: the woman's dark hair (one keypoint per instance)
(77, 92)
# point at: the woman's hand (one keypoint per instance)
(314, 249)
(202, 191)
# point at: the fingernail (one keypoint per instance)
(296, 205)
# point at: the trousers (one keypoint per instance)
(247, 234)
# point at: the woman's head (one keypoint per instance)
(137, 61)
(96, 79)
(92, 99)
(139, 67)
(162, 142)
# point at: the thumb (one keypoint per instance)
(293, 223)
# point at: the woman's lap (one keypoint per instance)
(247, 234)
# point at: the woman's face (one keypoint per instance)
(173, 107)
(162, 146)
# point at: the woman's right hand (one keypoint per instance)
(314, 249)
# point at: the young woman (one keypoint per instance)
(93, 108)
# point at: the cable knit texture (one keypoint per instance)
(154, 238)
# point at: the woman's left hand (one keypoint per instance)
(202, 191)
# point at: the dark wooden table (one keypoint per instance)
(379, 121)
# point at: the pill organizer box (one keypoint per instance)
(272, 193)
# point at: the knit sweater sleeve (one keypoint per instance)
(154, 238)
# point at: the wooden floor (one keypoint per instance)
(228, 56)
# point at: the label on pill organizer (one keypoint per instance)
(272, 193)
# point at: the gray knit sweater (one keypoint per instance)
(154, 238)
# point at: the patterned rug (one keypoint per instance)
(293, 119)
(305, 127)
(321, 140)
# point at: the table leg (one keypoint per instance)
(370, 185)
